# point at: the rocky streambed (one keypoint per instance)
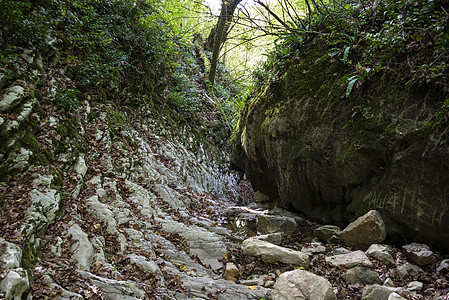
(123, 212)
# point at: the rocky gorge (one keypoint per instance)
(146, 218)
(308, 146)
(112, 188)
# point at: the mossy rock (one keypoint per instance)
(303, 142)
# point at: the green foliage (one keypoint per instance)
(69, 99)
(441, 115)
(109, 41)
(372, 38)
(22, 28)
(186, 94)
(108, 48)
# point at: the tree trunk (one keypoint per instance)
(218, 34)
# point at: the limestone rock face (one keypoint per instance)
(302, 285)
(10, 254)
(82, 249)
(16, 282)
(367, 230)
(309, 148)
(268, 251)
(12, 98)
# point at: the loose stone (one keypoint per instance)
(349, 260)
(419, 254)
(367, 230)
(302, 285)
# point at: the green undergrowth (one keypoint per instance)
(409, 39)
(120, 52)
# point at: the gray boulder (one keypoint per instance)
(267, 224)
(367, 230)
(302, 285)
(443, 268)
(10, 254)
(327, 233)
(46, 204)
(12, 98)
(274, 238)
(82, 249)
(349, 260)
(407, 269)
(394, 296)
(338, 251)
(378, 292)
(15, 284)
(382, 253)
(415, 286)
(269, 251)
(361, 275)
(419, 254)
(19, 160)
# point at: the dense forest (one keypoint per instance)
(236, 149)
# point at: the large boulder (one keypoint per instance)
(309, 148)
(302, 285)
(269, 251)
(15, 284)
(267, 224)
(367, 230)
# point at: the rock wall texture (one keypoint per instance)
(311, 149)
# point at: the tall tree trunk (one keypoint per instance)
(218, 35)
